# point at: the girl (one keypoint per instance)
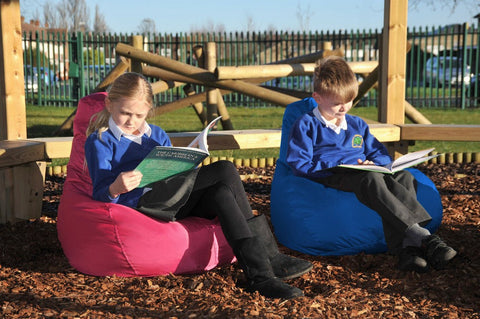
(119, 138)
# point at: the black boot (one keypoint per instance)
(252, 259)
(284, 267)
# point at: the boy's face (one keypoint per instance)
(332, 107)
(128, 114)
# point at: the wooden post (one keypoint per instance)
(393, 62)
(137, 42)
(12, 86)
(215, 94)
(212, 96)
(392, 69)
(198, 107)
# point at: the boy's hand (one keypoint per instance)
(365, 162)
(124, 183)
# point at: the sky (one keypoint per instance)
(125, 16)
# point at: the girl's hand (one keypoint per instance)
(124, 183)
(365, 162)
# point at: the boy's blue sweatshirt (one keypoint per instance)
(313, 147)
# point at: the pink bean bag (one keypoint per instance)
(105, 239)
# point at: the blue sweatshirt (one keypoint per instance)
(313, 147)
(108, 157)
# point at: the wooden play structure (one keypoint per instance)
(23, 160)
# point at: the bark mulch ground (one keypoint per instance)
(36, 280)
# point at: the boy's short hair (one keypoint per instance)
(334, 77)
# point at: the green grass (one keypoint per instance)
(42, 122)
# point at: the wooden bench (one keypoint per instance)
(22, 172)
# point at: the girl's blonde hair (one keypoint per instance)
(129, 85)
(333, 77)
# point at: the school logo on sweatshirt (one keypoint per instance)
(357, 141)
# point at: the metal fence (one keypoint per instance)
(443, 68)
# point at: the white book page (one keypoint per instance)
(201, 140)
(410, 157)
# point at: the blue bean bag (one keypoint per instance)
(313, 219)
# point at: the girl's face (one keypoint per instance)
(128, 113)
(331, 107)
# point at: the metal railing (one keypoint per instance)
(443, 64)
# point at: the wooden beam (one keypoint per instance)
(281, 70)
(208, 78)
(59, 147)
(440, 132)
(12, 86)
(17, 152)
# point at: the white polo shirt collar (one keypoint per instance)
(118, 133)
(336, 128)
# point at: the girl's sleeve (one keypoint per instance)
(300, 156)
(99, 156)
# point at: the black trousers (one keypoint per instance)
(218, 192)
(393, 197)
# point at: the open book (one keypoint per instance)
(405, 161)
(165, 161)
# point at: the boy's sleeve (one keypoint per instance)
(300, 156)
(375, 151)
(99, 156)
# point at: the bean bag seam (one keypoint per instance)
(119, 241)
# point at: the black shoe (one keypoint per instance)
(412, 258)
(438, 253)
(288, 267)
(275, 288)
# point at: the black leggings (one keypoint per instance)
(218, 192)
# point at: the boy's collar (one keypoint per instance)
(337, 128)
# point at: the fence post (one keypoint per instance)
(463, 90)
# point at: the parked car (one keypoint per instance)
(475, 87)
(31, 79)
(446, 70)
(34, 78)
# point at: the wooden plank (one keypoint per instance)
(281, 70)
(56, 147)
(59, 147)
(20, 152)
(440, 132)
(12, 87)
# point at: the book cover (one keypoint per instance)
(404, 161)
(165, 161)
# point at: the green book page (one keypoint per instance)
(163, 162)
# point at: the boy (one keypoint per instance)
(326, 137)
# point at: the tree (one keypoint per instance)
(209, 27)
(99, 24)
(447, 4)
(303, 17)
(147, 26)
(72, 15)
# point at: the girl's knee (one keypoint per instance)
(225, 168)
